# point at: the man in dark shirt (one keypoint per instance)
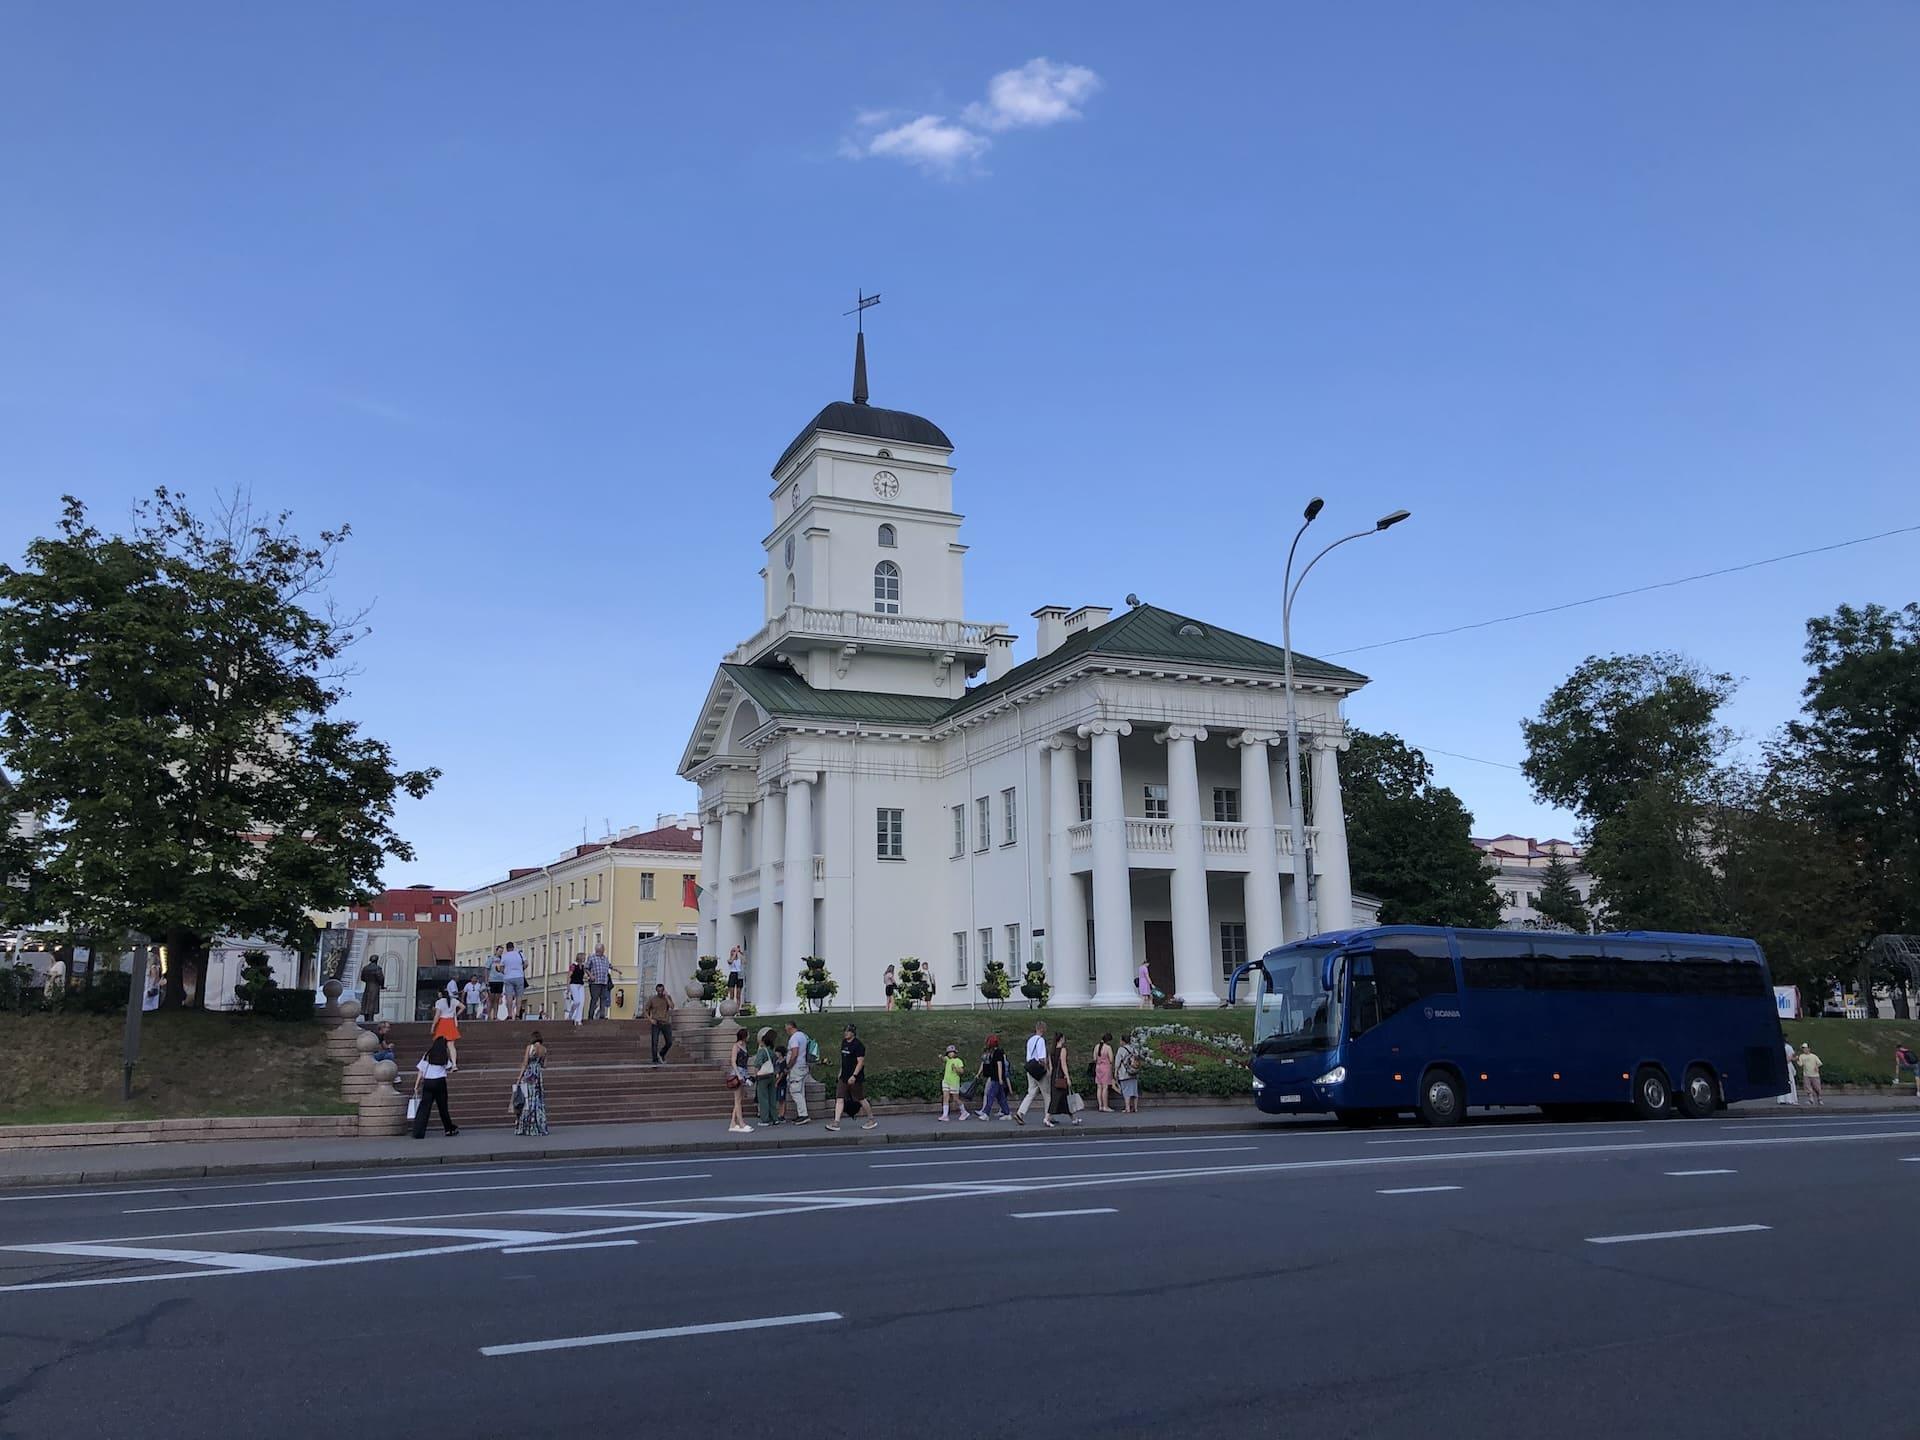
(853, 1082)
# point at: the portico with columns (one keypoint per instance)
(879, 779)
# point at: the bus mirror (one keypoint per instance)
(1326, 972)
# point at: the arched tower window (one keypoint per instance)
(886, 588)
(790, 590)
(887, 539)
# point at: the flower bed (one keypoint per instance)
(1183, 1048)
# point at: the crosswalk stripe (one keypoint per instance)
(424, 1232)
(224, 1260)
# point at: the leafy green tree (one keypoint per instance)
(1650, 863)
(167, 707)
(1408, 840)
(1622, 722)
(1559, 901)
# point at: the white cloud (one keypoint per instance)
(930, 142)
(1033, 96)
(1038, 93)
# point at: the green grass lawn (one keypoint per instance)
(1855, 1052)
(65, 1069)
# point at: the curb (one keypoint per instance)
(411, 1160)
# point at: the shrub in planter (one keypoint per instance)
(706, 974)
(815, 987)
(910, 987)
(1035, 986)
(256, 981)
(995, 984)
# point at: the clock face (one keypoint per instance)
(886, 484)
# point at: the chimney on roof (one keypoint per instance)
(1050, 629)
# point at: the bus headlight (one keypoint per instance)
(1333, 1077)
(1258, 1084)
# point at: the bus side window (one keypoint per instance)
(1363, 1001)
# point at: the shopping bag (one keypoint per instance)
(1074, 1103)
(413, 1106)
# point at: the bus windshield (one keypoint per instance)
(1292, 1012)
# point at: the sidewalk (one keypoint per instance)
(194, 1159)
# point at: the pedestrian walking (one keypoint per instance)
(659, 1013)
(577, 989)
(513, 966)
(599, 983)
(926, 978)
(1143, 982)
(496, 981)
(430, 1088)
(446, 1024)
(1103, 1073)
(951, 1068)
(852, 1096)
(530, 1117)
(1905, 1059)
(1036, 1065)
(737, 1081)
(1127, 1065)
(801, 1052)
(1063, 1097)
(372, 980)
(475, 993)
(1809, 1066)
(993, 1070)
(890, 984)
(736, 982)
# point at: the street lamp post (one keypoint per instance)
(1289, 589)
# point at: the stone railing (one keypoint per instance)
(1080, 837)
(1150, 835)
(865, 626)
(1223, 838)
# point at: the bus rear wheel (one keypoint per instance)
(1443, 1100)
(1698, 1098)
(1651, 1097)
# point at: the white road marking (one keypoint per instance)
(1061, 1214)
(672, 1332)
(1808, 1121)
(616, 1212)
(1417, 1190)
(1531, 1132)
(1677, 1174)
(390, 1194)
(223, 1259)
(426, 1232)
(1054, 1155)
(186, 1188)
(1675, 1234)
(578, 1245)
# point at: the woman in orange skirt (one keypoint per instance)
(446, 1024)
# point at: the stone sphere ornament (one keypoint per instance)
(695, 990)
(729, 1007)
(384, 1071)
(331, 990)
(349, 1009)
(366, 1042)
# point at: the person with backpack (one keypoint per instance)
(1036, 1072)
(802, 1051)
(951, 1067)
(993, 1070)
(1126, 1067)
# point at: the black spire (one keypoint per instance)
(860, 369)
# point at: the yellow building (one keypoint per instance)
(615, 892)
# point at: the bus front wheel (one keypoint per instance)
(1697, 1098)
(1651, 1097)
(1442, 1098)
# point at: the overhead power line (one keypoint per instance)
(1621, 594)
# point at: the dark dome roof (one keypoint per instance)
(848, 418)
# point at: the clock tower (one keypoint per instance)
(863, 584)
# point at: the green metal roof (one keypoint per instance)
(1145, 633)
(783, 693)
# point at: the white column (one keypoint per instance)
(1264, 929)
(765, 977)
(709, 882)
(796, 920)
(1113, 961)
(1334, 885)
(1192, 937)
(1067, 907)
(733, 829)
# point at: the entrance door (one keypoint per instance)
(1159, 938)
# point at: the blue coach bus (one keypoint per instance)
(1372, 1023)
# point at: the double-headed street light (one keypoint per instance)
(1290, 589)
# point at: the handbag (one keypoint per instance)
(1037, 1069)
(519, 1100)
(734, 1082)
(766, 1069)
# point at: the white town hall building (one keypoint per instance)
(878, 779)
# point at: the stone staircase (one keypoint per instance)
(597, 1073)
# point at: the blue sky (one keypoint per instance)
(534, 296)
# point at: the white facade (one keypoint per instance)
(1519, 863)
(1120, 796)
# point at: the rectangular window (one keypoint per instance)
(986, 950)
(374, 916)
(1093, 980)
(1013, 949)
(646, 885)
(889, 834)
(959, 831)
(1009, 818)
(420, 919)
(982, 823)
(1226, 805)
(1154, 797)
(353, 914)
(1086, 800)
(1233, 945)
(959, 957)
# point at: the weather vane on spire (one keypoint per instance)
(863, 303)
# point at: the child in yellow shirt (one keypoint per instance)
(950, 1069)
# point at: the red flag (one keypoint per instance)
(689, 892)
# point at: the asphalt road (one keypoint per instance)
(1739, 1277)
